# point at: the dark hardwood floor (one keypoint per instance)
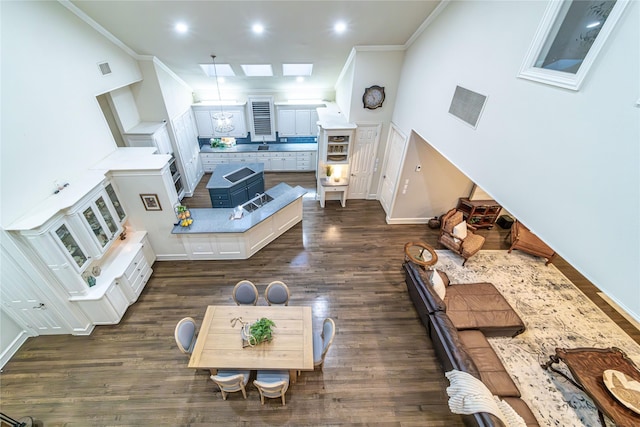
(344, 262)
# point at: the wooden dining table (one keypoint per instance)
(220, 345)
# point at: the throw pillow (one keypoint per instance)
(468, 395)
(438, 284)
(460, 232)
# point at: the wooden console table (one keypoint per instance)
(587, 366)
(479, 213)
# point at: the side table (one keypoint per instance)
(332, 187)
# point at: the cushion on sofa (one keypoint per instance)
(417, 277)
(492, 371)
(435, 280)
(481, 306)
(447, 345)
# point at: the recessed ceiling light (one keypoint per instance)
(299, 79)
(223, 70)
(340, 27)
(257, 70)
(258, 28)
(297, 69)
(181, 27)
(221, 79)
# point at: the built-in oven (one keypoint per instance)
(176, 177)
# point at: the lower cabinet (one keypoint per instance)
(212, 246)
(282, 161)
(121, 281)
(108, 309)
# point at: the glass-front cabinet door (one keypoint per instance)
(98, 230)
(116, 203)
(71, 246)
(106, 214)
(99, 216)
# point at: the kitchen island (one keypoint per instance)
(233, 184)
(215, 234)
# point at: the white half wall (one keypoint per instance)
(560, 161)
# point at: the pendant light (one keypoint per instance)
(223, 119)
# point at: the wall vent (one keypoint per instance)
(105, 69)
(467, 105)
(262, 119)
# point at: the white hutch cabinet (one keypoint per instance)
(82, 247)
(335, 142)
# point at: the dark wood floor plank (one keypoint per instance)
(343, 262)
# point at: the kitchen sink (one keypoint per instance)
(257, 202)
(263, 147)
(238, 175)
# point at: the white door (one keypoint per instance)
(394, 155)
(23, 302)
(363, 159)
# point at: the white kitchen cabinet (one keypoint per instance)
(205, 120)
(272, 160)
(188, 151)
(283, 161)
(297, 122)
(149, 134)
(135, 276)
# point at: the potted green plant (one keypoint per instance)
(260, 331)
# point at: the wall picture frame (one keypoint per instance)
(151, 202)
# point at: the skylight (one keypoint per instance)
(257, 70)
(297, 69)
(224, 70)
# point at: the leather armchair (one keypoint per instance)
(465, 244)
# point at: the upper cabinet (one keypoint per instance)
(150, 134)
(205, 117)
(73, 236)
(297, 121)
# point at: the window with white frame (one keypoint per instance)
(568, 40)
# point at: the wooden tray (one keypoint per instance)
(624, 388)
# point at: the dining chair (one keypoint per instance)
(245, 293)
(322, 341)
(185, 335)
(272, 384)
(277, 293)
(230, 381)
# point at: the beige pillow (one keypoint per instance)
(438, 284)
(460, 232)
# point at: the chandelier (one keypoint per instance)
(223, 119)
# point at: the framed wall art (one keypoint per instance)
(151, 202)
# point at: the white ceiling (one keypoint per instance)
(295, 32)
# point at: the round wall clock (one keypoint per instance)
(373, 97)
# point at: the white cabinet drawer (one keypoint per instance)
(133, 267)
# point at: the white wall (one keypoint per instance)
(382, 68)
(50, 115)
(124, 104)
(560, 161)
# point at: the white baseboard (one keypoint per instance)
(392, 221)
(624, 313)
(13, 348)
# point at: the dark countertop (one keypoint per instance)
(217, 179)
(218, 220)
(251, 148)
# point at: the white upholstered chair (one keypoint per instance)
(185, 335)
(245, 293)
(230, 381)
(277, 293)
(272, 384)
(322, 341)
